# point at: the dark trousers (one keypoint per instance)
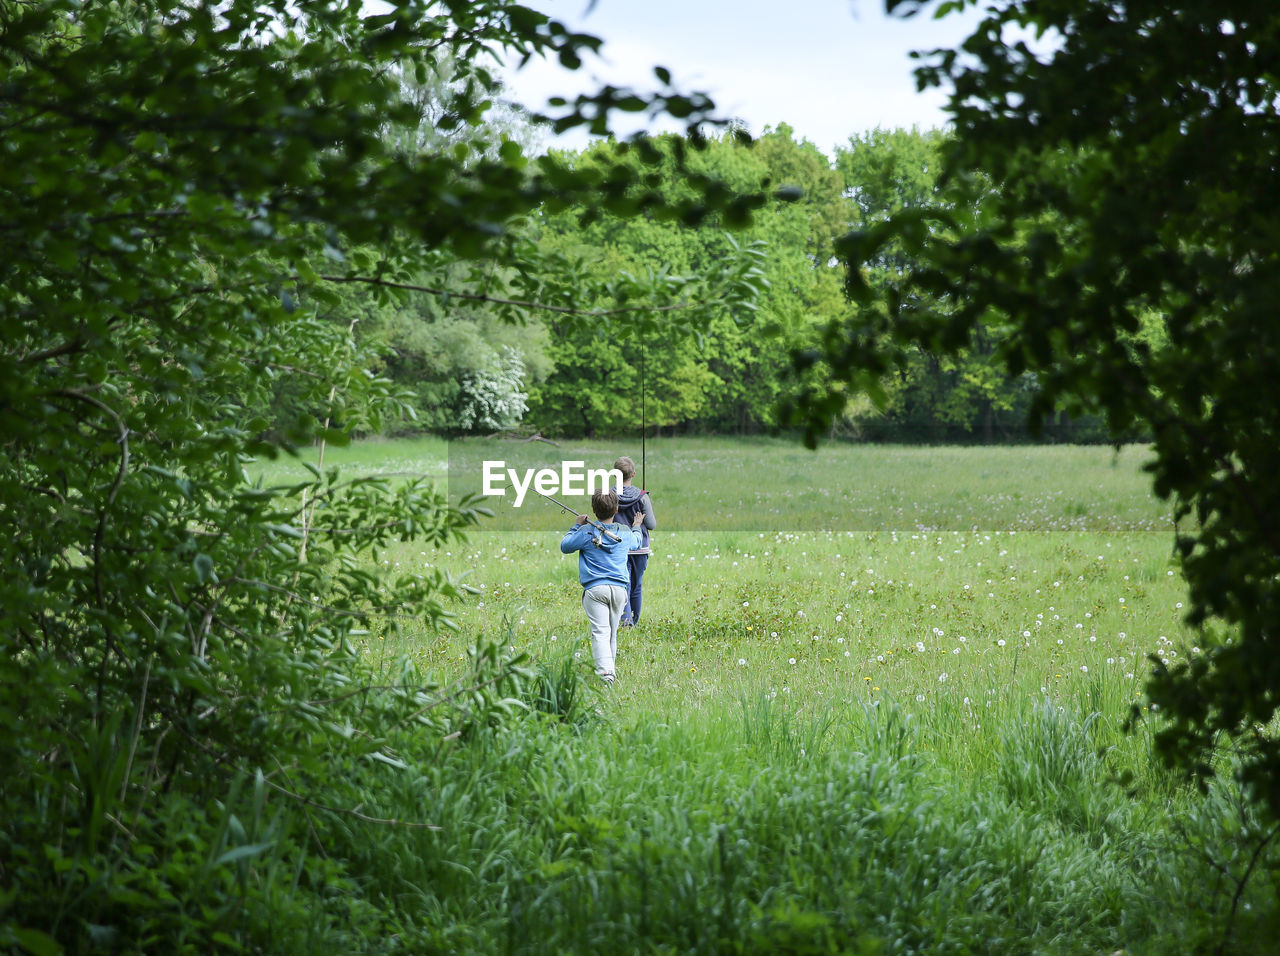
(636, 563)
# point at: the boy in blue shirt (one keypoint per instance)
(603, 573)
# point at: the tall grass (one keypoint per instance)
(895, 732)
(757, 831)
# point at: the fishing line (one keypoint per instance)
(643, 423)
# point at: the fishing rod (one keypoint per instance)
(643, 423)
(595, 524)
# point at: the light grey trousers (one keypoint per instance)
(603, 604)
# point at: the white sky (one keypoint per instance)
(828, 68)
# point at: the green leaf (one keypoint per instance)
(243, 852)
(512, 154)
(203, 565)
(36, 943)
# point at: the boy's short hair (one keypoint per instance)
(626, 466)
(604, 504)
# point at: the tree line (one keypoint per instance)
(468, 370)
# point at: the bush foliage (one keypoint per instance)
(183, 715)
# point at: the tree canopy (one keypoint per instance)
(1127, 258)
(722, 369)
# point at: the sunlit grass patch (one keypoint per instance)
(773, 485)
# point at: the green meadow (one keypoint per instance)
(876, 704)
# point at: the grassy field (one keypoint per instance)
(770, 485)
(875, 704)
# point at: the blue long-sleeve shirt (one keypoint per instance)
(606, 564)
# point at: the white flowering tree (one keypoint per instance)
(494, 399)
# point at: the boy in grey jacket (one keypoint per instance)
(633, 501)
